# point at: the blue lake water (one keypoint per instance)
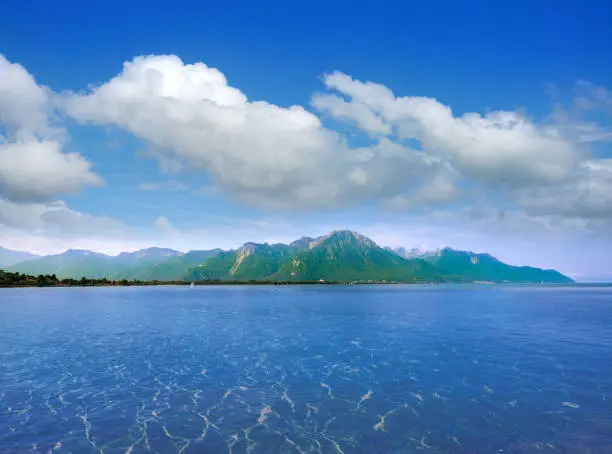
(383, 369)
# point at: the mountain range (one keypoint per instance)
(341, 256)
(8, 257)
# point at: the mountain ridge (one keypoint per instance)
(340, 255)
(8, 257)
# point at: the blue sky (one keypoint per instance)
(482, 127)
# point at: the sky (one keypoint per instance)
(126, 125)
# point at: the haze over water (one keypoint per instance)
(383, 369)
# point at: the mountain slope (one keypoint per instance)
(72, 263)
(171, 269)
(79, 263)
(348, 256)
(339, 256)
(469, 266)
(152, 255)
(250, 261)
(10, 258)
(127, 264)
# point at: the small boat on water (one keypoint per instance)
(192, 285)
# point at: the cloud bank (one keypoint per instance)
(34, 169)
(259, 153)
(286, 159)
(33, 166)
(414, 154)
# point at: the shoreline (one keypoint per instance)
(18, 280)
(98, 283)
(286, 283)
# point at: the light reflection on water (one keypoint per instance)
(441, 369)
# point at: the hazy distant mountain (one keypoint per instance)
(81, 263)
(172, 269)
(140, 264)
(409, 253)
(152, 255)
(338, 256)
(72, 263)
(469, 266)
(9, 257)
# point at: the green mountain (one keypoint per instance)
(79, 263)
(251, 261)
(149, 256)
(171, 269)
(348, 256)
(338, 256)
(469, 266)
(10, 258)
(72, 263)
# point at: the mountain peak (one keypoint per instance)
(152, 252)
(249, 248)
(9, 257)
(414, 252)
(261, 248)
(82, 253)
(342, 237)
(341, 255)
(303, 242)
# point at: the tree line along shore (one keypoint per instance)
(50, 280)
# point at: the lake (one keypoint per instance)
(311, 369)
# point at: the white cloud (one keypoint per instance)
(24, 105)
(34, 171)
(576, 110)
(259, 153)
(502, 148)
(360, 114)
(32, 164)
(38, 171)
(543, 169)
(587, 196)
(55, 218)
(283, 158)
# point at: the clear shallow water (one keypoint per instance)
(311, 369)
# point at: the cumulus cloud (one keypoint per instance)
(359, 114)
(33, 166)
(500, 148)
(587, 196)
(55, 218)
(542, 171)
(260, 153)
(38, 171)
(24, 105)
(284, 158)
